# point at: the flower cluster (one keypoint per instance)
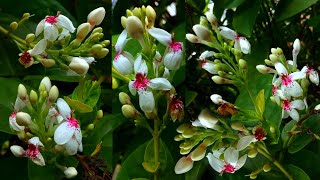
(38, 118)
(55, 48)
(289, 83)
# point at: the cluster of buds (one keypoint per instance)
(55, 48)
(148, 70)
(47, 125)
(289, 83)
(226, 69)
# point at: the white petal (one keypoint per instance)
(197, 123)
(47, 83)
(244, 45)
(132, 89)
(161, 35)
(65, 22)
(298, 75)
(39, 27)
(63, 133)
(160, 84)
(63, 34)
(206, 54)
(314, 77)
(39, 48)
(284, 114)
(121, 42)
(14, 125)
(227, 32)
(71, 146)
(51, 33)
(123, 65)
(207, 119)
(63, 108)
(172, 60)
(17, 151)
(39, 160)
(210, 67)
(217, 153)
(166, 73)
(241, 162)
(244, 142)
(35, 141)
(129, 56)
(294, 114)
(215, 163)
(78, 135)
(146, 101)
(19, 104)
(280, 68)
(140, 65)
(294, 89)
(297, 104)
(183, 165)
(89, 60)
(231, 156)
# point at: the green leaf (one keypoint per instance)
(299, 142)
(77, 105)
(284, 134)
(190, 96)
(48, 172)
(149, 163)
(245, 17)
(288, 8)
(197, 170)
(260, 102)
(297, 173)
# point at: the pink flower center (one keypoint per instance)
(237, 37)
(116, 57)
(51, 19)
(175, 46)
(274, 89)
(309, 70)
(32, 151)
(228, 168)
(13, 115)
(203, 62)
(25, 57)
(176, 104)
(73, 122)
(286, 79)
(141, 81)
(260, 134)
(286, 105)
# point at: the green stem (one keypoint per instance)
(16, 38)
(276, 163)
(156, 140)
(116, 74)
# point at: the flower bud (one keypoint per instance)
(14, 25)
(23, 119)
(188, 133)
(317, 108)
(199, 152)
(134, 27)
(115, 83)
(243, 64)
(267, 167)
(79, 65)
(178, 137)
(83, 30)
(90, 127)
(129, 13)
(102, 53)
(99, 114)
(70, 172)
(124, 98)
(96, 16)
(253, 176)
(216, 98)
(129, 111)
(53, 94)
(212, 19)
(105, 43)
(47, 63)
(151, 15)
(272, 129)
(279, 51)
(296, 47)
(192, 38)
(97, 30)
(21, 135)
(264, 69)
(184, 165)
(22, 92)
(274, 58)
(33, 97)
(47, 84)
(17, 151)
(220, 80)
(96, 48)
(30, 37)
(202, 32)
(26, 15)
(238, 126)
(252, 153)
(183, 127)
(137, 12)
(273, 50)
(123, 21)
(268, 62)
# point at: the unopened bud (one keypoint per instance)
(99, 114)
(220, 80)
(26, 15)
(253, 176)
(272, 129)
(216, 98)
(53, 94)
(273, 50)
(30, 37)
(70, 172)
(264, 69)
(90, 127)
(252, 153)
(97, 30)
(115, 83)
(96, 48)
(199, 152)
(21, 135)
(14, 25)
(274, 58)
(193, 38)
(134, 27)
(296, 47)
(268, 62)
(47, 83)
(238, 126)
(178, 137)
(96, 16)
(79, 65)
(151, 15)
(23, 119)
(202, 32)
(129, 111)
(129, 13)
(6, 144)
(212, 19)
(317, 108)
(243, 64)
(123, 21)
(47, 63)
(105, 43)
(22, 92)
(102, 53)
(124, 98)
(83, 30)
(266, 167)
(17, 151)
(182, 128)
(137, 12)
(279, 51)
(33, 97)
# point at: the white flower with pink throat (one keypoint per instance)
(240, 43)
(68, 132)
(206, 64)
(143, 85)
(289, 108)
(173, 56)
(18, 105)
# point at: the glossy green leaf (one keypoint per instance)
(149, 161)
(260, 102)
(297, 173)
(77, 105)
(233, 3)
(245, 17)
(48, 172)
(197, 170)
(299, 142)
(288, 8)
(284, 134)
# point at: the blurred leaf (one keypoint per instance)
(48, 172)
(299, 142)
(189, 97)
(260, 102)
(297, 173)
(233, 3)
(288, 8)
(197, 170)
(312, 122)
(284, 134)
(245, 17)
(13, 167)
(149, 156)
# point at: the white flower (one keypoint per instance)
(184, 165)
(217, 99)
(70, 172)
(143, 85)
(206, 120)
(289, 108)
(51, 24)
(240, 43)
(259, 134)
(311, 74)
(123, 61)
(26, 58)
(229, 164)
(96, 16)
(52, 118)
(173, 57)
(19, 104)
(68, 132)
(289, 85)
(208, 65)
(79, 65)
